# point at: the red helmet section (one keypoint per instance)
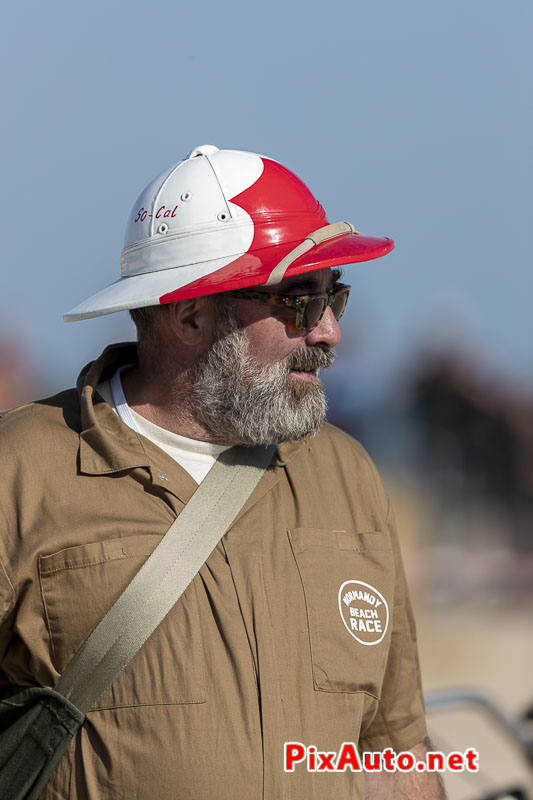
(283, 212)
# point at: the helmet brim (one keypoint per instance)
(224, 274)
(254, 268)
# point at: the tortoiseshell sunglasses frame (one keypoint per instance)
(297, 301)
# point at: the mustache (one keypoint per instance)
(310, 358)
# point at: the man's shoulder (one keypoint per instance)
(334, 442)
(339, 461)
(40, 421)
(340, 439)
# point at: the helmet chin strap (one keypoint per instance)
(311, 240)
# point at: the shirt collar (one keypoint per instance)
(106, 444)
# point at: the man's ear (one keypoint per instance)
(193, 321)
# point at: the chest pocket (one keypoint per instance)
(348, 584)
(80, 584)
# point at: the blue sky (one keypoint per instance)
(412, 120)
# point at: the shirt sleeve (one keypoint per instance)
(399, 721)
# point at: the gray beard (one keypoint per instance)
(240, 402)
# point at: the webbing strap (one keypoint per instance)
(310, 241)
(165, 574)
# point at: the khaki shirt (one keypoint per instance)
(274, 641)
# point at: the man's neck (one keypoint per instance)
(164, 405)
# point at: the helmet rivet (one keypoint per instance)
(186, 196)
(222, 216)
(163, 228)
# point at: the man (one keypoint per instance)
(298, 628)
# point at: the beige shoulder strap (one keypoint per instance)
(311, 240)
(165, 574)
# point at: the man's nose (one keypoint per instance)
(327, 332)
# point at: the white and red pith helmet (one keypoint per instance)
(221, 220)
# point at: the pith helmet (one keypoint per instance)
(221, 220)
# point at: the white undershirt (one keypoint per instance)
(193, 455)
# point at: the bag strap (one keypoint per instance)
(165, 574)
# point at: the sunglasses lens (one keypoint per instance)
(338, 303)
(313, 312)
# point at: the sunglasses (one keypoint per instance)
(310, 308)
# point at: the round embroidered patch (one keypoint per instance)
(364, 611)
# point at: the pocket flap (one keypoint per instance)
(80, 584)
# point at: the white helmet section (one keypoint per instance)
(182, 227)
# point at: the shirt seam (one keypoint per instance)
(53, 658)
(196, 702)
(69, 565)
(3, 569)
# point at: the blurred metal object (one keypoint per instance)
(517, 729)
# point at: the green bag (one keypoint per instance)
(37, 724)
